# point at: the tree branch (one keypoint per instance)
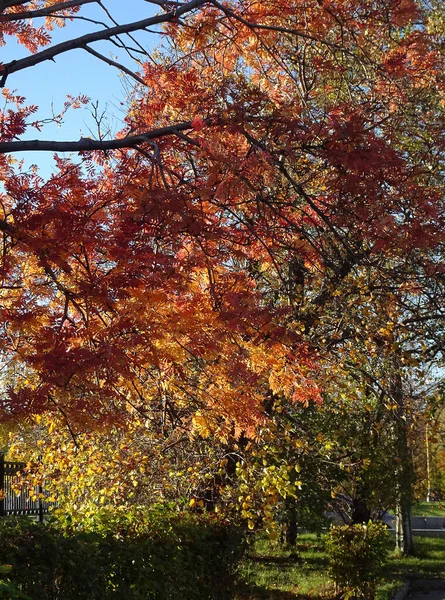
(4, 4)
(88, 145)
(113, 63)
(105, 34)
(7, 228)
(253, 26)
(43, 12)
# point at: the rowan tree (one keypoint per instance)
(279, 164)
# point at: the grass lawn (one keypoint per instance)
(429, 509)
(272, 573)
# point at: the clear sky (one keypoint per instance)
(77, 72)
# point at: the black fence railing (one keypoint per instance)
(15, 498)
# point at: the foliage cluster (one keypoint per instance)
(155, 555)
(357, 554)
(7, 588)
(265, 234)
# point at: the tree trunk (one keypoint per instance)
(404, 472)
(404, 483)
(360, 511)
(404, 535)
(291, 517)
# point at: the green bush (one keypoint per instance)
(8, 590)
(154, 555)
(357, 554)
(32, 553)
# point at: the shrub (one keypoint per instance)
(7, 588)
(31, 550)
(152, 554)
(357, 554)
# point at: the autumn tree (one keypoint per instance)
(277, 182)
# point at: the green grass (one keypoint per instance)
(429, 509)
(428, 563)
(273, 573)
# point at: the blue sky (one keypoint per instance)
(77, 72)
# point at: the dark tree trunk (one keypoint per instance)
(291, 516)
(360, 511)
(404, 472)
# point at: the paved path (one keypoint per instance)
(427, 595)
(428, 590)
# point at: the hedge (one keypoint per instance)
(164, 557)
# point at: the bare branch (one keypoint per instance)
(88, 145)
(113, 63)
(105, 34)
(125, 46)
(164, 3)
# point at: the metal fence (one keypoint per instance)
(15, 497)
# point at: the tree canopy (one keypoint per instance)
(267, 223)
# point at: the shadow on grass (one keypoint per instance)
(301, 575)
(427, 562)
(308, 563)
(254, 592)
(267, 559)
(425, 545)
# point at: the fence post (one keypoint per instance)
(2, 484)
(40, 492)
